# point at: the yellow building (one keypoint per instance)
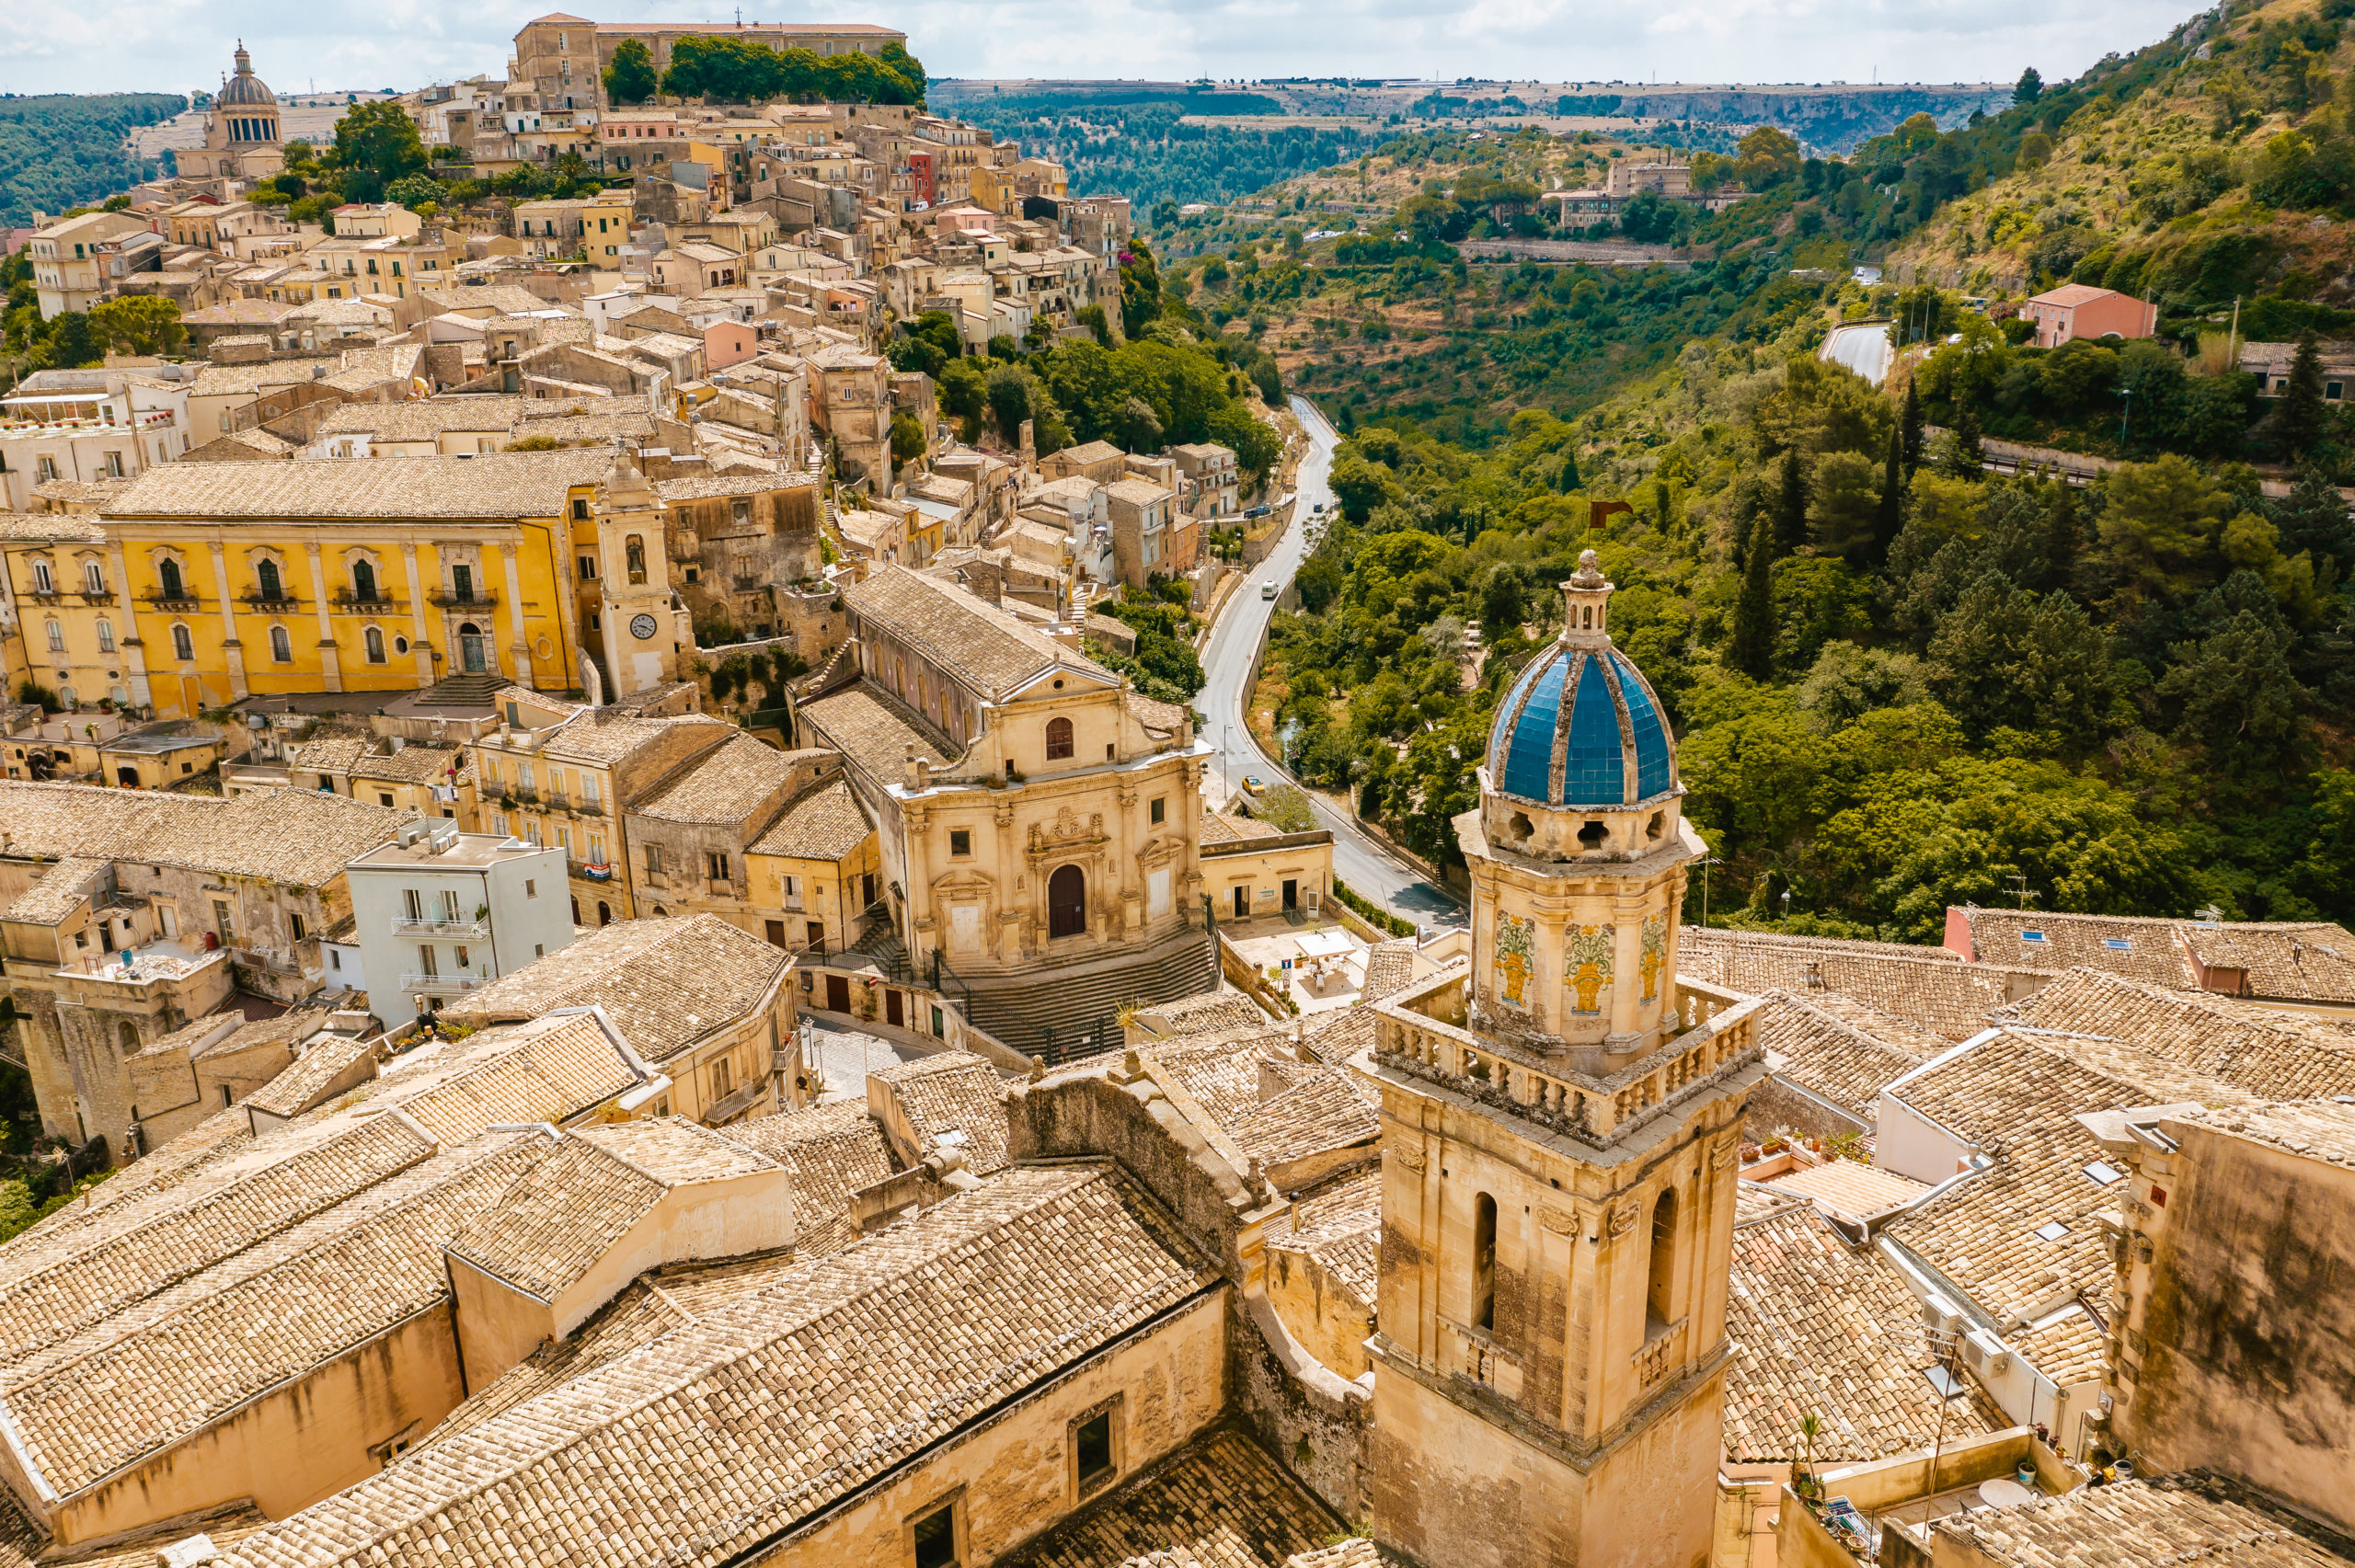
(338, 576)
(64, 616)
(817, 870)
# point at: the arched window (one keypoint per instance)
(1484, 1263)
(183, 645)
(106, 635)
(1658, 1293)
(363, 581)
(281, 647)
(373, 640)
(57, 637)
(266, 574)
(167, 574)
(1067, 903)
(126, 1034)
(1058, 739)
(634, 548)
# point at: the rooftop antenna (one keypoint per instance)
(2020, 890)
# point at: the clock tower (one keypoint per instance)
(643, 630)
(1560, 1120)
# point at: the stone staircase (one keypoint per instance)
(1073, 1013)
(462, 691)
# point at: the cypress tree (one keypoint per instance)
(1912, 428)
(2298, 422)
(1752, 650)
(1790, 506)
(1889, 517)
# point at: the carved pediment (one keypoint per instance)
(964, 880)
(1066, 832)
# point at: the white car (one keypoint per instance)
(1267, 588)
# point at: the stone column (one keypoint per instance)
(134, 651)
(1130, 902)
(520, 647)
(330, 656)
(231, 647)
(416, 645)
(1012, 889)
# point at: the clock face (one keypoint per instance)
(641, 627)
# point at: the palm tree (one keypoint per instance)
(1811, 1428)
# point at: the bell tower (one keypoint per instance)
(643, 627)
(1560, 1127)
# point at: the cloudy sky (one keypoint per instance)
(103, 45)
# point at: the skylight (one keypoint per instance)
(2031, 936)
(2117, 944)
(1946, 1382)
(2102, 1173)
(2052, 1231)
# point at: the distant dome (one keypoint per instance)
(1581, 728)
(245, 90)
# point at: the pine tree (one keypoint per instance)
(2060, 538)
(1911, 428)
(1752, 650)
(1889, 517)
(1790, 506)
(2298, 422)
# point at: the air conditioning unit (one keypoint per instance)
(1940, 1315)
(1986, 1354)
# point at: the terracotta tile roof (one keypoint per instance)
(1212, 1013)
(1838, 1049)
(1923, 987)
(1820, 1326)
(726, 784)
(665, 983)
(2194, 1516)
(296, 1090)
(184, 1357)
(294, 836)
(632, 1320)
(59, 890)
(2017, 1096)
(548, 1069)
(948, 1314)
(559, 1220)
(1340, 1227)
(56, 1282)
(707, 489)
(1219, 1501)
(2269, 1053)
(2298, 960)
(1158, 717)
(1275, 1108)
(954, 1093)
(831, 1151)
(1389, 966)
(1355, 1552)
(496, 486)
(823, 822)
(2067, 1350)
(874, 729)
(41, 528)
(2318, 1129)
(974, 642)
(422, 419)
(588, 736)
(1848, 1188)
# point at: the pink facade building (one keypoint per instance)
(2076, 310)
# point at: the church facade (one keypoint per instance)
(243, 137)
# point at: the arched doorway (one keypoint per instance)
(1067, 903)
(470, 650)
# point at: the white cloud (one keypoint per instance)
(114, 45)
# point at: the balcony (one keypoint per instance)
(442, 985)
(373, 604)
(454, 930)
(269, 602)
(174, 603)
(451, 599)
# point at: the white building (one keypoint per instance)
(438, 914)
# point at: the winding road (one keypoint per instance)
(1863, 346)
(1358, 859)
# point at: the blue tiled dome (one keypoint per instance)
(1580, 729)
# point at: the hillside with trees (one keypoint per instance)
(1898, 681)
(59, 152)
